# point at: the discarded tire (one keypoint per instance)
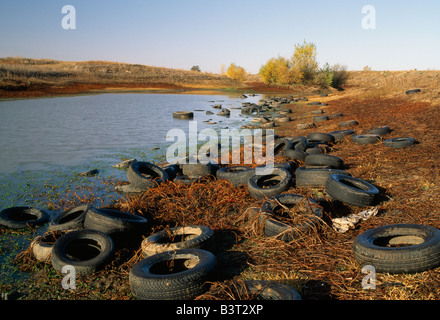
(300, 143)
(261, 186)
(23, 217)
(341, 134)
(145, 175)
(172, 275)
(184, 237)
(183, 115)
(86, 250)
(315, 177)
(324, 160)
(351, 190)
(70, 220)
(399, 248)
(366, 138)
(41, 246)
(265, 290)
(114, 222)
(282, 145)
(320, 118)
(295, 154)
(381, 131)
(412, 91)
(320, 136)
(238, 176)
(198, 170)
(275, 227)
(398, 143)
(348, 123)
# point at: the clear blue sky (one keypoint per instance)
(209, 33)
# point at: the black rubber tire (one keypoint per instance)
(324, 160)
(115, 222)
(86, 250)
(266, 290)
(381, 131)
(318, 149)
(282, 145)
(275, 228)
(320, 136)
(150, 278)
(341, 134)
(300, 143)
(135, 175)
(348, 123)
(182, 237)
(315, 177)
(412, 91)
(238, 176)
(256, 183)
(172, 170)
(23, 217)
(70, 220)
(398, 143)
(320, 118)
(366, 138)
(420, 250)
(295, 154)
(198, 170)
(351, 190)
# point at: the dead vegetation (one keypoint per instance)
(320, 265)
(19, 75)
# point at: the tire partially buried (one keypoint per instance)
(398, 143)
(238, 175)
(279, 224)
(266, 290)
(399, 248)
(182, 237)
(145, 175)
(86, 250)
(268, 185)
(172, 275)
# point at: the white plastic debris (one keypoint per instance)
(344, 224)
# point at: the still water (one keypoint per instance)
(46, 143)
(39, 133)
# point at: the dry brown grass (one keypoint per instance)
(394, 84)
(320, 265)
(25, 72)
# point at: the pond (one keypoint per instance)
(46, 143)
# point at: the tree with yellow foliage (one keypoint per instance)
(236, 72)
(304, 61)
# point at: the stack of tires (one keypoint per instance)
(86, 237)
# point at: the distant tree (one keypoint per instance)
(340, 76)
(276, 71)
(236, 72)
(196, 68)
(304, 61)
